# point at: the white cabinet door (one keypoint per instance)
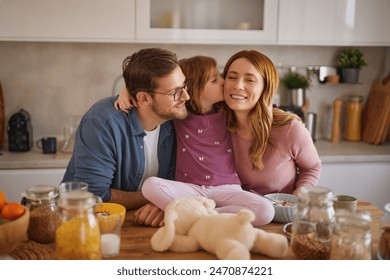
(67, 20)
(366, 181)
(207, 21)
(13, 182)
(334, 22)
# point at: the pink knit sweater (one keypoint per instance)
(292, 164)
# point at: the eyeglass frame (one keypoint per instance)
(177, 93)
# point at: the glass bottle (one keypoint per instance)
(384, 241)
(44, 218)
(354, 112)
(78, 236)
(313, 224)
(351, 236)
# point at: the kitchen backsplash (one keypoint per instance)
(55, 81)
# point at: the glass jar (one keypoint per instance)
(384, 241)
(44, 217)
(354, 113)
(313, 224)
(351, 236)
(78, 236)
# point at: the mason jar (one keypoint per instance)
(41, 200)
(78, 236)
(313, 222)
(354, 113)
(352, 238)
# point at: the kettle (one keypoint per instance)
(20, 132)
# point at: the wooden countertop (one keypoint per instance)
(135, 240)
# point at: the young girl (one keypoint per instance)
(205, 160)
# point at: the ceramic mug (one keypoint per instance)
(48, 145)
(346, 202)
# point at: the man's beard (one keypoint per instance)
(180, 114)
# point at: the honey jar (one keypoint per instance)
(354, 109)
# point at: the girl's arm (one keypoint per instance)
(124, 101)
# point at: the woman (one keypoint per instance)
(205, 162)
(273, 150)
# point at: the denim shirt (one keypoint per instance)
(109, 150)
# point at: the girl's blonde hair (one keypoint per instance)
(261, 117)
(198, 70)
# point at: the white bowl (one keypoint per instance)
(284, 214)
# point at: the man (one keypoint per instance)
(115, 152)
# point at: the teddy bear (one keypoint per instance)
(193, 223)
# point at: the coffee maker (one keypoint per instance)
(296, 101)
(20, 132)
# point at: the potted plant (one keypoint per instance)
(297, 84)
(350, 61)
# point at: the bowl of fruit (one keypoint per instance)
(14, 219)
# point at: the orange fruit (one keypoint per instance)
(12, 211)
(2, 200)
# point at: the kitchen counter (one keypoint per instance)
(33, 159)
(329, 153)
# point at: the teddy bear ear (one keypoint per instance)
(208, 203)
(163, 238)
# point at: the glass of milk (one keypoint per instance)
(110, 234)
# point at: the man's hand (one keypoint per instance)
(149, 215)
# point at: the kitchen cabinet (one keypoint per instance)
(364, 180)
(67, 21)
(334, 22)
(13, 182)
(207, 22)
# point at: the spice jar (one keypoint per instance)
(44, 217)
(78, 236)
(354, 112)
(313, 224)
(351, 236)
(384, 242)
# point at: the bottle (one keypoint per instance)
(313, 224)
(336, 120)
(351, 236)
(78, 236)
(354, 112)
(384, 241)
(41, 200)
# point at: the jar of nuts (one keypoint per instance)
(313, 224)
(44, 217)
(384, 242)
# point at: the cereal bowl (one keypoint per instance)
(105, 209)
(284, 210)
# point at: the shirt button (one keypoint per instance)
(142, 147)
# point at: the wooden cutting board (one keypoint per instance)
(376, 114)
(2, 118)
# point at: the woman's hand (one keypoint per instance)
(124, 101)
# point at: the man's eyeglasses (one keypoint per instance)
(177, 93)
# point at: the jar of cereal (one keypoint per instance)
(78, 236)
(384, 242)
(313, 224)
(44, 217)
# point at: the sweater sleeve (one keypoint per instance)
(305, 155)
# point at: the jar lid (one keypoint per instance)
(77, 199)
(355, 98)
(317, 193)
(41, 192)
